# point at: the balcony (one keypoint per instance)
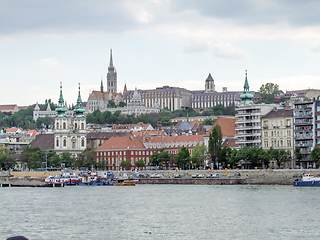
(303, 123)
(303, 136)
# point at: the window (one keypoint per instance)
(64, 142)
(289, 143)
(281, 143)
(57, 143)
(75, 126)
(271, 133)
(281, 123)
(265, 144)
(82, 143)
(57, 125)
(64, 125)
(318, 108)
(82, 126)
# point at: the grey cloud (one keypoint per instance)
(253, 12)
(72, 15)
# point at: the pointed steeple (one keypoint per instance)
(101, 86)
(125, 89)
(79, 110)
(209, 85)
(111, 60)
(61, 109)
(246, 96)
(48, 107)
(37, 108)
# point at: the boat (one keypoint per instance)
(65, 179)
(308, 180)
(92, 179)
(124, 182)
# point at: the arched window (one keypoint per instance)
(82, 142)
(64, 126)
(75, 125)
(57, 142)
(57, 125)
(64, 142)
(82, 126)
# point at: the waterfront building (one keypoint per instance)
(70, 133)
(277, 132)
(248, 124)
(304, 131)
(117, 149)
(29, 136)
(317, 122)
(96, 139)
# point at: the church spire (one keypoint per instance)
(79, 110)
(246, 96)
(101, 86)
(61, 109)
(111, 60)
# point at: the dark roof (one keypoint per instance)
(106, 135)
(279, 113)
(44, 142)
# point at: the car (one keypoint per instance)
(195, 175)
(209, 175)
(159, 176)
(200, 176)
(177, 176)
(143, 175)
(153, 176)
(215, 175)
(237, 174)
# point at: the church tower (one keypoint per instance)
(210, 87)
(246, 96)
(70, 132)
(111, 76)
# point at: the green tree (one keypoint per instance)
(126, 164)
(6, 161)
(269, 88)
(86, 159)
(122, 104)
(139, 163)
(155, 159)
(67, 159)
(215, 142)
(315, 155)
(164, 158)
(209, 121)
(111, 104)
(298, 154)
(198, 155)
(183, 158)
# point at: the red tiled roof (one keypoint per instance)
(121, 143)
(12, 129)
(7, 107)
(31, 133)
(230, 142)
(227, 125)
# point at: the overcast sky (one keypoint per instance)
(155, 43)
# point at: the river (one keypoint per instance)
(161, 212)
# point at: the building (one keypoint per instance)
(277, 132)
(248, 125)
(304, 131)
(98, 100)
(70, 133)
(173, 98)
(117, 149)
(135, 106)
(11, 108)
(29, 136)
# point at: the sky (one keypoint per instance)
(155, 43)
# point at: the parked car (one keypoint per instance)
(209, 175)
(200, 176)
(177, 176)
(153, 175)
(143, 175)
(195, 175)
(159, 176)
(215, 175)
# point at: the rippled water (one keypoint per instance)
(161, 212)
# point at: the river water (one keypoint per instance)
(161, 212)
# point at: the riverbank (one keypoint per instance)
(252, 176)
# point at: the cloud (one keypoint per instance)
(49, 61)
(217, 47)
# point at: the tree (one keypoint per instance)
(6, 161)
(164, 158)
(298, 154)
(269, 88)
(86, 159)
(315, 154)
(197, 156)
(139, 163)
(215, 142)
(122, 104)
(209, 121)
(155, 159)
(67, 159)
(125, 164)
(183, 158)
(111, 104)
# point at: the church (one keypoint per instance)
(98, 100)
(70, 133)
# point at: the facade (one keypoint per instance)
(173, 98)
(304, 131)
(277, 132)
(317, 123)
(70, 133)
(248, 125)
(135, 106)
(13, 108)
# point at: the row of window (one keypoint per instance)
(276, 133)
(64, 126)
(277, 143)
(64, 142)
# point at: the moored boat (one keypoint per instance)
(308, 180)
(126, 182)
